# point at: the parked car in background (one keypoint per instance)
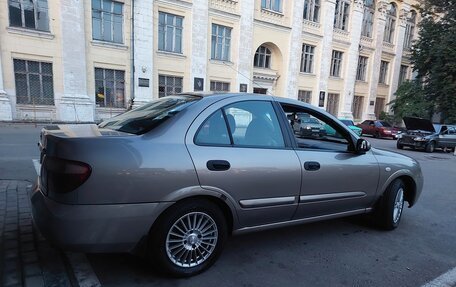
(173, 178)
(351, 125)
(379, 129)
(423, 134)
(306, 126)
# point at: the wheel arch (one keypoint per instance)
(410, 187)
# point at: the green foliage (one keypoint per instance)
(411, 101)
(434, 59)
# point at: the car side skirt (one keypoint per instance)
(301, 221)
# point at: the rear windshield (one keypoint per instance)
(149, 116)
(385, 124)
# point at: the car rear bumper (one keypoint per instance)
(93, 228)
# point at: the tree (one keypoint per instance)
(411, 101)
(434, 59)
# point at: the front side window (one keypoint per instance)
(307, 58)
(368, 18)
(383, 72)
(107, 21)
(169, 85)
(390, 24)
(305, 96)
(341, 14)
(311, 10)
(262, 58)
(336, 63)
(409, 30)
(32, 14)
(110, 88)
(169, 32)
(274, 5)
(312, 130)
(221, 42)
(362, 67)
(34, 82)
(217, 86)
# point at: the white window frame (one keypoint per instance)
(410, 30)
(390, 25)
(305, 96)
(169, 82)
(336, 63)
(176, 32)
(307, 58)
(273, 5)
(383, 75)
(368, 18)
(118, 85)
(311, 10)
(219, 86)
(361, 70)
(223, 41)
(262, 57)
(109, 14)
(342, 15)
(40, 9)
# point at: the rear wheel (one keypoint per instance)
(377, 135)
(430, 147)
(388, 212)
(188, 238)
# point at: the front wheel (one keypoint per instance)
(430, 147)
(399, 145)
(388, 212)
(188, 238)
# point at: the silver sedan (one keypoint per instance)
(173, 178)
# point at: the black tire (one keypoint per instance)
(392, 201)
(377, 135)
(430, 147)
(162, 257)
(399, 145)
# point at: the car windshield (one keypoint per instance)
(149, 116)
(309, 121)
(347, 122)
(385, 124)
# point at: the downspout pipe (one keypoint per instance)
(132, 57)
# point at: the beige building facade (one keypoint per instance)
(83, 61)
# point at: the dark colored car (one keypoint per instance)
(379, 129)
(423, 134)
(175, 177)
(307, 126)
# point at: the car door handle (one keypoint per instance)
(311, 165)
(218, 165)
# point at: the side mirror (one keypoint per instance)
(362, 146)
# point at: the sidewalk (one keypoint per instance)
(26, 258)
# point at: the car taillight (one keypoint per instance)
(62, 175)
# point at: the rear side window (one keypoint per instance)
(243, 124)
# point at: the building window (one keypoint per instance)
(332, 106)
(336, 63)
(107, 20)
(368, 18)
(169, 32)
(274, 5)
(32, 14)
(341, 14)
(217, 86)
(311, 10)
(379, 106)
(409, 30)
(305, 96)
(109, 88)
(34, 82)
(307, 58)
(390, 24)
(357, 107)
(403, 74)
(383, 72)
(362, 67)
(221, 41)
(262, 58)
(169, 85)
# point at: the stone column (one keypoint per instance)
(352, 58)
(245, 61)
(377, 58)
(200, 28)
(291, 90)
(143, 45)
(74, 105)
(329, 7)
(398, 50)
(5, 104)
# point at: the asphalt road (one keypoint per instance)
(342, 252)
